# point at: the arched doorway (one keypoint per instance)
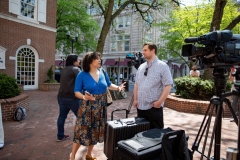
(27, 67)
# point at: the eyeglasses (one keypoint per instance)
(146, 71)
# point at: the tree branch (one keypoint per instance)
(100, 6)
(233, 23)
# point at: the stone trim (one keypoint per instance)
(9, 105)
(191, 106)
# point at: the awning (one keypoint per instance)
(112, 62)
(124, 63)
(109, 62)
(58, 62)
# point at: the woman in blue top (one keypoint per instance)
(91, 86)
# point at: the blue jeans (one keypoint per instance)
(65, 105)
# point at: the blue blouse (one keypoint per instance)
(85, 82)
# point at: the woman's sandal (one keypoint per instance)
(90, 158)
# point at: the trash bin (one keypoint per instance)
(126, 84)
(57, 76)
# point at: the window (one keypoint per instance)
(120, 22)
(30, 9)
(127, 21)
(26, 67)
(127, 43)
(113, 44)
(120, 43)
(2, 57)
(27, 8)
(149, 19)
(148, 37)
(124, 21)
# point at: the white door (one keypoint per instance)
(27, 67)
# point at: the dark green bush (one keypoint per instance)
(50, 75)
(196, 88)
(8, 87)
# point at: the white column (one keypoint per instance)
(1, 129)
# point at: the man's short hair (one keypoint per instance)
(151, 46)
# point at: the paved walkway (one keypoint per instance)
(35, 137)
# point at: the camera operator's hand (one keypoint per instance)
(135, 103)
(157, 104)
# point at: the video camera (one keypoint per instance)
(220, 47)
(136, 59)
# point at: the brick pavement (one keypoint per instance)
(35, 137)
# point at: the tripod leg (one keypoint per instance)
(236, 121)
(207, 131)
(216, 133)
(217, 130)
(199, 137)
(231, 110)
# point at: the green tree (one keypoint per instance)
(193, 21)
(110, 9)
(72, 16)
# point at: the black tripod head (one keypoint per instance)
(220, 77)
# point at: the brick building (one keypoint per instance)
(27, 40)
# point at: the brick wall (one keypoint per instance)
(51, 12)
(42, 40)
(191, 106)
(14, 35)
(9, 105)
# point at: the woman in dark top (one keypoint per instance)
(66, 97)
(91, 86)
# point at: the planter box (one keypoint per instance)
(191, 106)
(49, 86)
(9, 105)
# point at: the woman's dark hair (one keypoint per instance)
(71, 59)
(194, 67)
(151, 46)
(88, 58)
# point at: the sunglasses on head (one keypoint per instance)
(146, 71)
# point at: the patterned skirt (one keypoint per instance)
(90, 123)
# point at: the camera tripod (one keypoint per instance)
(216, 104)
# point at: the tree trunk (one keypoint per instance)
(103, 35)
(106, 26)
(215, 25)
(207, 75)
(218, 14)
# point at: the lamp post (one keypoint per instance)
(72, 39)
(63, 59)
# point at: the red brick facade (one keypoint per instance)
(14, 33)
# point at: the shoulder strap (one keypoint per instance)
(104, 72)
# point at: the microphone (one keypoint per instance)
(191, 39)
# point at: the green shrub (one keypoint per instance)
(8, 87)
(111, 79)
(50, 74)
(196, 88)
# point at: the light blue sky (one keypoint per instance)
(191, 2)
